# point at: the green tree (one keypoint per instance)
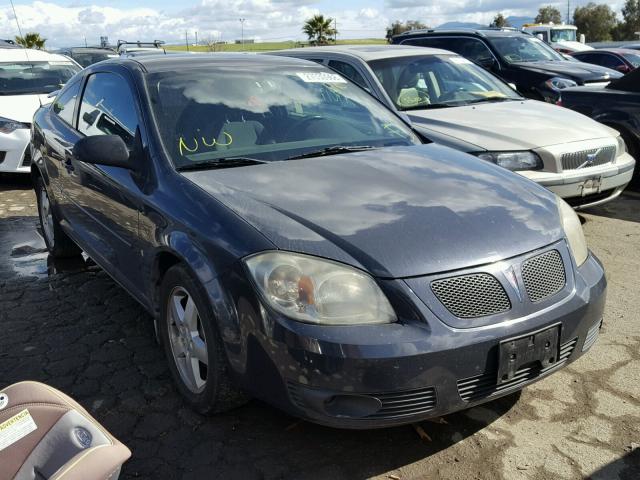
(499, 21)
(548, 14)
(319, 29)
(630, 24)
(597, 22)
(31, 40)
(398, 27)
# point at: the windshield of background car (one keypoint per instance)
(22, 78)
(205, 114)
(524, 49)
(437, 81)
(567, 35)
(86, 59)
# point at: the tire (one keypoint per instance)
(58, 243)
(186, 325)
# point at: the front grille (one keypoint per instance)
(588, 158)
(472, 296)
(394, 404)
(26, 158)
(543, 275)
(486, 385)
(592, 336)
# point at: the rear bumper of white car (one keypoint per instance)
(590, 186)
(15, 156)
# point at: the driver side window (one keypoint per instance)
(108, 108)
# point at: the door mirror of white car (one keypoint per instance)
(107, 150)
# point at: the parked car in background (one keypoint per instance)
(620, 59)
(562, 38)
(536, 69)
(295, 239)
(456, 103)
(86, 56)
(617, 105)
(26, 78)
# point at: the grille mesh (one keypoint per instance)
(543, 275)
(472, 296)
(573, 160)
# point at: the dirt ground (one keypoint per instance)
(69, 325)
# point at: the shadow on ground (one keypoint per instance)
(72, 327)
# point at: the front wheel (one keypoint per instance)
(58, 243)
(193, 346)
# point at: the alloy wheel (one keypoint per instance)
(187, 340)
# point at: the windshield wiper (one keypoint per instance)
(229, 162)
(333, 151)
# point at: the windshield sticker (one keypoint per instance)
(460, 60)
(183, 146)
(320, 77)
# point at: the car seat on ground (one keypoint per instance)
(45, 435)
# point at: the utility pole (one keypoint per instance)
(242, 31)
(186, 39)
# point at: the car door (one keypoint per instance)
(108, 196)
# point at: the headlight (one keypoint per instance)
(559, 83)
(513, 160)
(573, 231)
(9, 126)
(622, 146)
(318, 291)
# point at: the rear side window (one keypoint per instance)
(348, 71)
(65, 103)
(108, 108)
(471, 48)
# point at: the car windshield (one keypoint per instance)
(437, 81)
(22, 78)
(89, 58)
(216, 113)
(564, 35)
(633, 59)
(524, 49)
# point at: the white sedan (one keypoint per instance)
(26, 78)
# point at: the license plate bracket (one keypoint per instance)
(541, 346)
(591, 186)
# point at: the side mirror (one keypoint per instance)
(104, 150)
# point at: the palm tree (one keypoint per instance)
(319, 29)
(31, 40)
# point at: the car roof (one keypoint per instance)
(369, 52)
(161, 62)
(28, 54)
(482, 32)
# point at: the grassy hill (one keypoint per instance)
(265, 46)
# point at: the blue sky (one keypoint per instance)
(68, 22)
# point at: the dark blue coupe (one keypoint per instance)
(297, 242)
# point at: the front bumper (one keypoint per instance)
(380, 376)
(15, 155)
(570, 184)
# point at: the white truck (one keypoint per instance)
(562, 38)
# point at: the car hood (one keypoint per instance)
(491, 126)
(578, 71)
(21, 107)
(395, 212)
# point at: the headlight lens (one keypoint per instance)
(559, 83)
(513, 160)
(622, 146)
(314, 290)
(9, 126)
(573, 231)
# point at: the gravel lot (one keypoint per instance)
(70, 326)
